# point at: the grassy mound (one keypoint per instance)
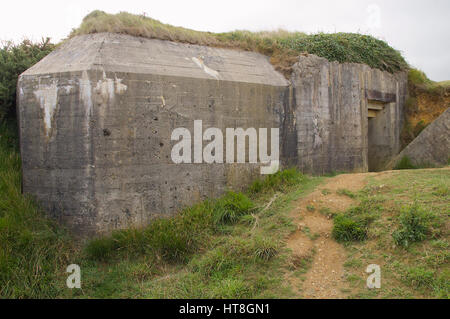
(282, 46)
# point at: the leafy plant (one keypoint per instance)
(415, 225)
(14, 60)
(347, 228)
(229, 208)
(405, 163)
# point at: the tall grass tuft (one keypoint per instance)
(280, 181)
(176, 238)
(34, 251)
(415, 225)
(405, 163)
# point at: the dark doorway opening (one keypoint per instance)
(377, 134)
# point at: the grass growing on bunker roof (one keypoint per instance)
(282, 46)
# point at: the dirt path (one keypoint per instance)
(324, 278)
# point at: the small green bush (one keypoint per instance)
(265, 248)
(231, 257)
(348, 228)
(404, 163)
(346, 192)
(353, 225)
(14, 60)
(229, 208)
(418, 77)
(415, 224)
(279, 181)
(420, 126)
(441, 190)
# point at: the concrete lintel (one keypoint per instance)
(381, 96)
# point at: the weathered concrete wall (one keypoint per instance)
(96, 118)
(334, 133)
(431, 147)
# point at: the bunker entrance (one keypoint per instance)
(377, 134)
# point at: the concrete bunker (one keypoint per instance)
(96, 117)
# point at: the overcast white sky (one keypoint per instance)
(418, 28)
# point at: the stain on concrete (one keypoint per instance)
(209, 71)
(47, 96)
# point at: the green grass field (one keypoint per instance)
(405, 231)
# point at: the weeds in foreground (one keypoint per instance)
(33, 249)
(353, 225)
(415, 224)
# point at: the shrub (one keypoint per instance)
(14, 60)
(346, 192)
(420, 126)
(353, 225)
(265, 248)
(404, 163)
(279, 181)
(347, 228)
(229, 208)
(415, 225)
(441, 190)
(418, 77)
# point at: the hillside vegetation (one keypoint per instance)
(15, 59)
(33, 248)
(402, 225)
(282, 46)
(426, 101)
